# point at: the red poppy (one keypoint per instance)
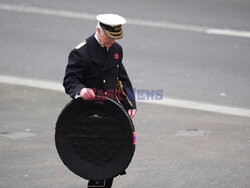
(116, 56)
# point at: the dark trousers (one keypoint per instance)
(100, 183)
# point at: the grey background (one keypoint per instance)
(186, 65)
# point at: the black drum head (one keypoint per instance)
(95, 138)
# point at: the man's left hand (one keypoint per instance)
(131, 113)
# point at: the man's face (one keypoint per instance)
(104, 39)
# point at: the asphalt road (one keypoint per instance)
(164, 156)
(185, 64)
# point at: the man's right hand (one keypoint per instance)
(87, 94)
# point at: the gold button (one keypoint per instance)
(105, 93)
(104, 81)
(117, 66)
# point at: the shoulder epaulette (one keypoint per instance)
(80, 45)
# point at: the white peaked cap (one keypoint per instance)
(111, 19)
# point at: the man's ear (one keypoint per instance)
(98, 31)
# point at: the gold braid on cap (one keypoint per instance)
(113, 34)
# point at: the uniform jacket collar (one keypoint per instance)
(97, 53)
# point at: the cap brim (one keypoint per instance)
(114, 35)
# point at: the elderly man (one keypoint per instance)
(95, 68)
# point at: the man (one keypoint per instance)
(95, 68)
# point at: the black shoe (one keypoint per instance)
(100, 183)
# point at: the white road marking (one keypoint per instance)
(132, 21)
(41, 84)
(200, 106)
(55, 86)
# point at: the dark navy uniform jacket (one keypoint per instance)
(91, 66)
